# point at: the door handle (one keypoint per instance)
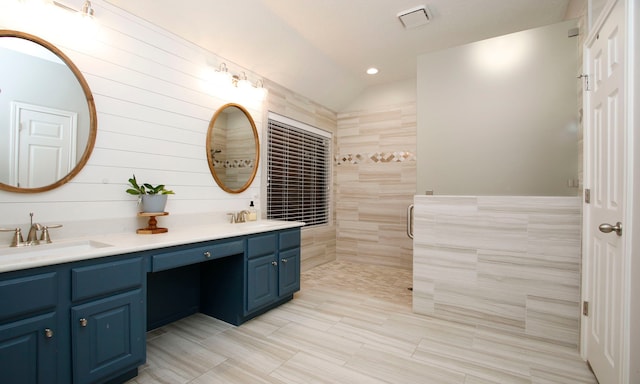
(608, 228)
(410, 221)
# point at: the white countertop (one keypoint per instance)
(83, 248)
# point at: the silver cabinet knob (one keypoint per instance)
(207, 254)
(274, 263)
(83, 322)
(48, 333)
(285, 261)
(608, 228)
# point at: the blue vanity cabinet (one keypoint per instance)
(30, 332)
(107, 319)
(273, 269)
(262, 271)
(80, 323)
(237, 288)
(85, 322)
(289, 262)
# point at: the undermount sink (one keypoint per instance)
(56, 248)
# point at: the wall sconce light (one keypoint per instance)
(222, 78)
(242, 82)
(261, 91)
(57, 19)
(86, 10)
(80, 25)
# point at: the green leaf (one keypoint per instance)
(146, 188)
(136, 190)
(133, 182)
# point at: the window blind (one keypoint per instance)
(298, 179)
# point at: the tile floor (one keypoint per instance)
(351, 323)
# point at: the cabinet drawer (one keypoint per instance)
(28, 294)
(105, 278)
(261, 245)
(290, 239)
(186, 256)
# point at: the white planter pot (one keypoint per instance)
(153, 203)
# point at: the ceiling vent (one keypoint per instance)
(414, 17)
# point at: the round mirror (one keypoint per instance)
(47, 115)
(233, 148)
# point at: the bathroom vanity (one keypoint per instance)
(78, 313)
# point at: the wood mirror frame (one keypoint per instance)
(92, 130)
(231, 158)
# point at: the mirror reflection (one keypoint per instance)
(233, 148)
(47, 115)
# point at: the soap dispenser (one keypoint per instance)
(253, 213)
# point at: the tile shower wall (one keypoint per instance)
(508, 263)
(376, 175)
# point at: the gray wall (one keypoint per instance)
(499, 116)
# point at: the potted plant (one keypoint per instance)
(151, 199)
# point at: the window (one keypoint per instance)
(298, 171)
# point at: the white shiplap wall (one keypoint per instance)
(153, 115)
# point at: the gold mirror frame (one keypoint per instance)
(210, 149)
(93, 123)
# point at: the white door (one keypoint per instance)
(605, 178)
(44, 145)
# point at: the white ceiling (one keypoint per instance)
(321, 48)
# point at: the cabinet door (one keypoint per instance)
(289, 277)
(262, 281)
(107, 336)
(28, 350)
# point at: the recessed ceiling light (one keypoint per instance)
(372, 71)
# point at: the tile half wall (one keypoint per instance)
(510, 263)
